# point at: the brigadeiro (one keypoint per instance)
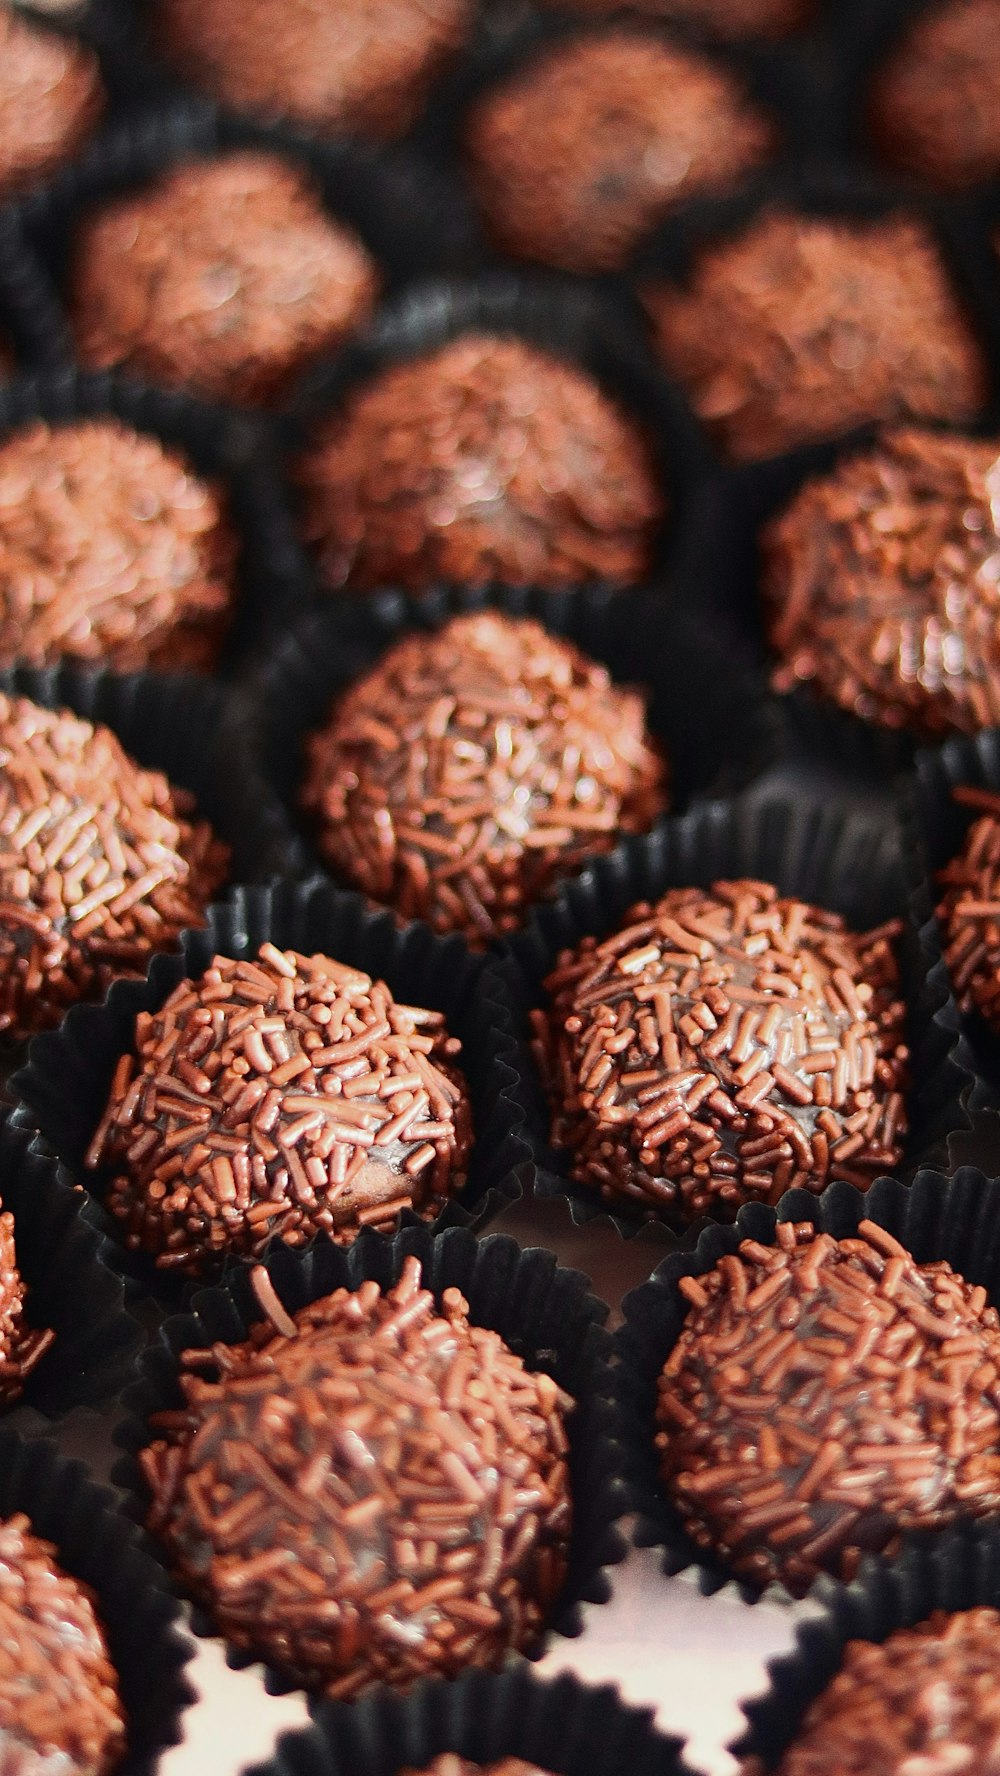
(970, 909)
(474, 767)
(22, 1347)
(935, 107)
(724, 1046)
(60, 1705)
(803, 327)
(281, 1096)
(484, 460)
(881, 584)
(51, 100)
(101, 864)
(360, 67)
(225, 277)
(375, 1489)
(922, 1703)
(113, 550)
(824, 1397)
(578, 153)
(721, 18)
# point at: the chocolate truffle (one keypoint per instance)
(723, 1047)
(101, 864)
(970, 909)
(375, 1490)
(578, 154)
(474, 767)
(113, 550)
(485, 460)
(802, 327)
(825, 1397)
(225, 277)
(51, 100)
(733, 19)
(922, 1703)
(935, 107)
(882, 584)
(284, 1096)
(450, 1764)
(360, 67)
(60, 1707)
(21, 1346)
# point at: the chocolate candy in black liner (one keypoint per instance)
(725, 19)
(560, 1726)
(542, 1315)
(51, 100)
(934, 104)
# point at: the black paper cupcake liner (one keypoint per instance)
(30, 321)
(711, 715)
(96, 1544)
(562, 1726)
(808, 846)
(935, 1217)
(959, 1570)
(544, 1313)
(62, 1091)
(225, 447)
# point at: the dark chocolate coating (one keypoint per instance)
(881, 584)
(824, 1398)
(51, 100)
(935, 104)
(375, 1490)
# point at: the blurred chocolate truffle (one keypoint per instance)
(969, 909)
(882, 584)
(935, 108)
(487, 459)
(579, 153)
(800, 328)
(825, 1397)
(355, 67)
(51, 100)
(113, 550)
(101, 864)
(921, 1703)
(474, 767)
(722, 1047)
(373, 1489)
(22, 1347)
(280, 1097)
(225, 277)
(732, 19)
(60, 1706)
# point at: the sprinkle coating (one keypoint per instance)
(935, 107)
(734, 19)
(51, 100)
(22, 1347)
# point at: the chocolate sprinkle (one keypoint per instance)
(381, 1494)
(580, 152)
(935, 107)
(100, 865)
(280, 1097)
(485, 460)
(51, 100)
(225, 277)
(800, 328)
(825, 1397)
(722, 18)
(882, 584)
(475, 767)
(112, 550)
(724, 1047)
(970, 909)
(59, 1701)
(21, 1347)
(923, 1703)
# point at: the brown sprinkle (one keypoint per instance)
(381, 1496)
(21, 1346)
(969, 910)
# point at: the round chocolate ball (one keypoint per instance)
(358, 67)
(802, 327)
(113, 551)
(60, 1707)
(825, 1397)
(101, 864)
(280, 1097)
(21, 1346)
(474, 767)
(968, 909)
(882, 584)
(732, 19)
(485, 460)
(51, 100)
(722, 1047)
(375, 1490)
(579, 153)
(225, 277)
(922, 1702)
(935, 106)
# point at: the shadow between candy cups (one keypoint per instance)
(544, 1313)
(61, 1093)
(957, 1219)
(30, 321)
